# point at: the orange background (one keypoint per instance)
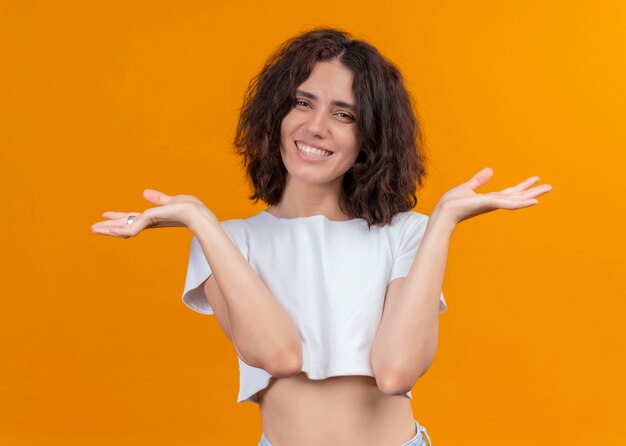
(99, 100)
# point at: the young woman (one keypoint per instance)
(332, 309)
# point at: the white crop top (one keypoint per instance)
(331, 277)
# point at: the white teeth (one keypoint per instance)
(312, 151)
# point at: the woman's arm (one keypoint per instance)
(406, 341)
(261, 329)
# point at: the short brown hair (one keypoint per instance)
(390, 166)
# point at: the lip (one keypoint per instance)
(309, 158)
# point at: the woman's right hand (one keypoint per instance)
(172, 211)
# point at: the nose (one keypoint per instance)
(318, 125)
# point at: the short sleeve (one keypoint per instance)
(198, 271)
(409, 239)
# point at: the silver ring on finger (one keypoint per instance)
(131, 219)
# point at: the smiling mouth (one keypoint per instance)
(312, 151)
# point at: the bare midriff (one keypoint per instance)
(340, 410)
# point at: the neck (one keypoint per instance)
(305, 200)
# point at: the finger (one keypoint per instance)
(480, 178)
(125, 230)
(113, 214)
(521, 186)
(105, 226)
(536, 191)
(512, 204)
(156, 197)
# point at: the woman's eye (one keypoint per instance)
(346, 115)
(303, 103)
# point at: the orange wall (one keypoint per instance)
(99, 100)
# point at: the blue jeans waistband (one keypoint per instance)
(418, 440)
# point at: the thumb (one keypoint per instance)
(480, 178)
(156, 197)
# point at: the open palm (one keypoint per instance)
(463, 202)
(172, 211)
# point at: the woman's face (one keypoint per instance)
(322, 117)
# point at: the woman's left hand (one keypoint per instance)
(461, 202)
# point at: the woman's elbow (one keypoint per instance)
(285, 364)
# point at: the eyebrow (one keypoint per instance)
(306, 94)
